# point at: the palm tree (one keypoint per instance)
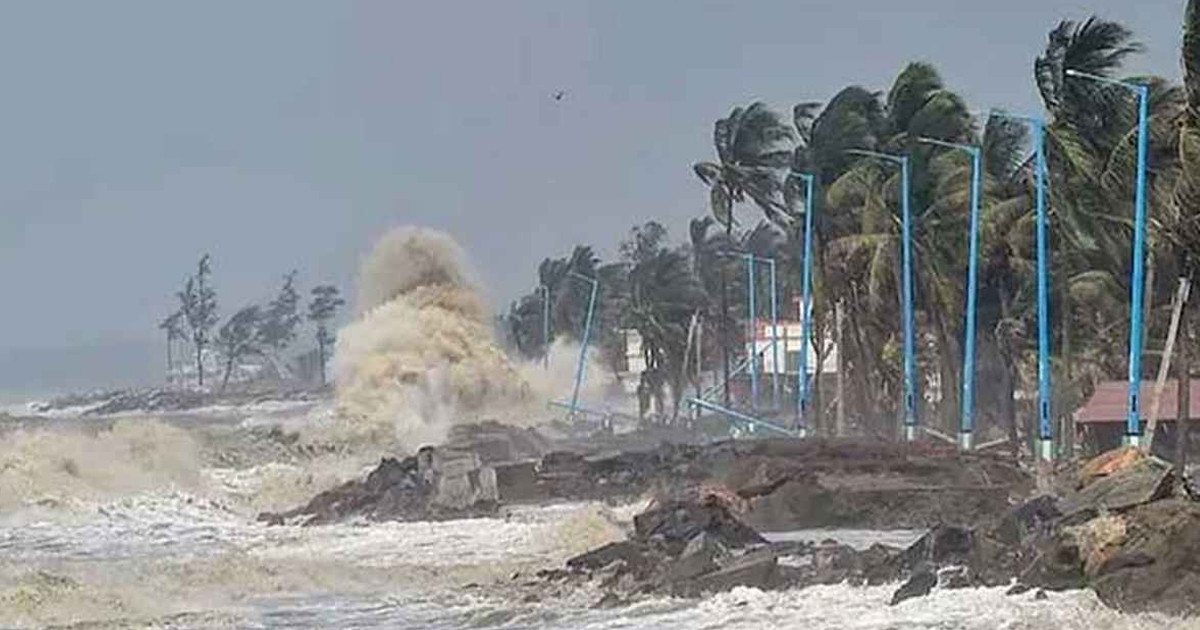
(173, 326)
(1184, 222)
(918, 105)
(664, 296)
(754, 148)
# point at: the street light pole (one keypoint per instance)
(910, 363)
(587, 331)
(1133, 424)
(752, 329)
(967, 426)
(1045, 426)
(805, 308)
(774, 337)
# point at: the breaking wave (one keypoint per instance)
(422, 354)
(53, 465)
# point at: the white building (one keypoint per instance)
(785, 342)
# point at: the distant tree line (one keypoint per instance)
(262, 331)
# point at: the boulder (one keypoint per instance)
(517, 481)
(1139, 481)
(699, 557)
(675, 523)
(755, 570)
(631, 552)
(919, 585)
(1155, 568)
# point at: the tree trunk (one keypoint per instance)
(839, 315)
(724, 327)
(1183, 416)
(200, 363)
(818, 348)
(1068, 437)
(228, 371)
(321, 353)
(1183, 420)
(170, 365)
(948, 370)
(871, 407)
(1008, 358)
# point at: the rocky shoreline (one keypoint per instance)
(160, 400)
(1120, 524)
(785, 484)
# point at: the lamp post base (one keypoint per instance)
(966, 441)
(1047, 450)
(910, 433)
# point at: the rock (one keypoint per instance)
(609, 600)
(878, 565)
(954, 578)
(675, 523)
(1031, 518)
(1155, 569)
(943, 545)
(1108, 463)
(919, 585)
(633, 553)
(833, 563)
(553, 575)
(1098, 540)
(690, 566)
(517, 481)
(756, 571)
(561, 463)
(1137, 482)
(1125, 560)
(708, 545)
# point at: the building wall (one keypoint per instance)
(787, 339)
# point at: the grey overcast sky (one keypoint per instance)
(281, 134)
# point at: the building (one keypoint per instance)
(788, 340)
(1100, 424)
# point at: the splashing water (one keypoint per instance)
(145, 523)
(422, 356)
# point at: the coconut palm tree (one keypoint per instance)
(664, 296)
(754, 147)
(918, 105)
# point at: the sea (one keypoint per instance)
(150, 522)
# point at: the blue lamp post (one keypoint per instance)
(910, 363)
(805, 307)
(967, 427)
(774, 336)
(1045, 426)
(583, 347)
(1133, 424)
(752, 332)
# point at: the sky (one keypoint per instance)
(288, 134)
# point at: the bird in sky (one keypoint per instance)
(558, 96)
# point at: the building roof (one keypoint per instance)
(1110, 402)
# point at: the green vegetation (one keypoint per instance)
(1091, 137)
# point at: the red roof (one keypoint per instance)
(1110, 402)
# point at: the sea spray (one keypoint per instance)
(49, 465)
(422, 356)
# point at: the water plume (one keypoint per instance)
(421, 355)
